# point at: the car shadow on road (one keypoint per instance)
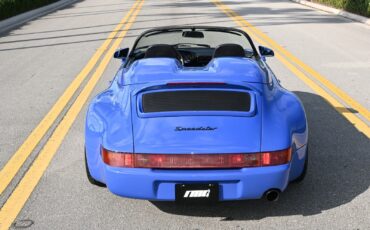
(338, 172)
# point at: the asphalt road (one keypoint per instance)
(39, 60)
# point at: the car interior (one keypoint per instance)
(192, 48)
(192, 56)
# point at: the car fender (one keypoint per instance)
(284, 122)
(108, 124)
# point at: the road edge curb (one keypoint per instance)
(335, 11)
(18, 20)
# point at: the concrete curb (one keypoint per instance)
(328, 9)
(13, 22)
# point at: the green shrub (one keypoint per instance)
(358, 6)
(9, 8)
(361, 7)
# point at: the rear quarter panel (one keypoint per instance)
(284, 121)
(108, 124)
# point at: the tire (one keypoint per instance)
(89, 177)
(304, 172)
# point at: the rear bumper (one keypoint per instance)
(235, 184)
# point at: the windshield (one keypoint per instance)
(194, 46)
(184, 38)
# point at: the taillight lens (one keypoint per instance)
(118, 159)
(235, 160)
(276, 157)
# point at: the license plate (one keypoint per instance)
(197, 192)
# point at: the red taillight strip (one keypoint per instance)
(118, 159)
(196, 83)
(235, 160)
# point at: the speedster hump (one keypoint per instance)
(169, 70)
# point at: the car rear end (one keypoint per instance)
(196, 141)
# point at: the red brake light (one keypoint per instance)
(237, 160)
(276, 157)
(115, 159)
(196, 83)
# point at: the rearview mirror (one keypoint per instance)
(121, 54)
(266, 52)
(193, 34)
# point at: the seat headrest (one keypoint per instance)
(162, 51)
(229, 50)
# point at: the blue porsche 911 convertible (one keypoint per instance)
(195, 114)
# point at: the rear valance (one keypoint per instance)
(195, 100)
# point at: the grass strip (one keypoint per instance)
(361, 7)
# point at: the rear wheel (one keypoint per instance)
(304, 172)
(89, 177)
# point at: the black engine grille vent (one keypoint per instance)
(196, 100)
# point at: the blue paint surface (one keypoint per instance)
(275, 121)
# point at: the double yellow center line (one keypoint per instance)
(19, 157)
(25, 187)
(18, 198)
(303, 71)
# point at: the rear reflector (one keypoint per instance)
(195, 161)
